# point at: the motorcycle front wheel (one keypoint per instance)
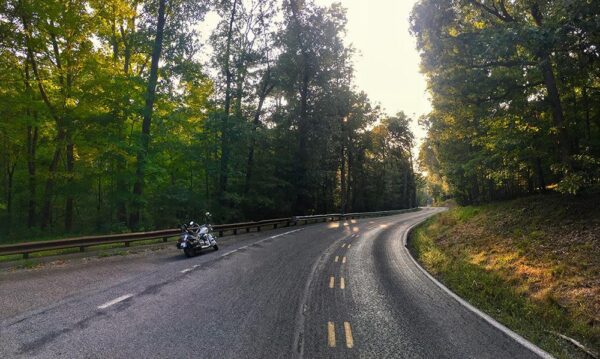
(189, 252)
(216, 247)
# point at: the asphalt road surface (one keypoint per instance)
(334, 290)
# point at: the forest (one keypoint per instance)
(122, 115)
(515, 90)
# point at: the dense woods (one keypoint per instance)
(515, 88)
(115, 115)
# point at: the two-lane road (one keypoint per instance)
(325, 290)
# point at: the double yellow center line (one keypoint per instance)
(331, 342)
(337, 258)
(332, 282)
(347, 333)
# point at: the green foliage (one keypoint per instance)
(515, 96)
(269, 126)
(587, 175)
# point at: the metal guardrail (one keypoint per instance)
(83, 242)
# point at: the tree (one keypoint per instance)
(134, 219)
(110, 120)
(501, 78)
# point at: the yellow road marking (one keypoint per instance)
(349, 246)
(331, 334)
(342, 283)
(336, 258)
(343, 245)
(344, 260)
(349, 339)
(331, 282)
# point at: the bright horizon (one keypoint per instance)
(387, 63)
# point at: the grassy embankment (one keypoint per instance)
(533, 264)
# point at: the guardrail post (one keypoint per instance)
(25, 255)
(165, 239)
(274, 225)
(220, 233)
(247, 229)
(258, 229)
(82, 249)
(287, 224)
(235, 231)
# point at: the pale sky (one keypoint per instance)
(387, 62)
(387, 67)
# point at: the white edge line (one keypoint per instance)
(260, 241)
(115, 301)
(283, 234)
(524, 342)
(228, 253)
(187, 270)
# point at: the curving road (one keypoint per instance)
(325, 290)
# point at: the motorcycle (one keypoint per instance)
(195, 237)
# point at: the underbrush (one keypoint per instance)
(533, 264)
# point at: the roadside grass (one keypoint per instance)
(533, 264)
(101, 250)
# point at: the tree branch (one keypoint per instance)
(512, 63)
(504, 16)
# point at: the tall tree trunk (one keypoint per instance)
(553, 94)
(206, 174)
(31, 144)
(69, 202)
(586, 104)
(302, 198)
(557, 110)
(343, 199)
(46, 219)
(10, 172)
(413, 186)
(265, 89)
(60, 137)
(32, 139)
(540, 174)
(99, 203)
(351, 178)
(225, 148)
(122, 190)
(405, 195)
(250, 161)
(239, 92)
(142, 154)
(122, 187)
(121, 162)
